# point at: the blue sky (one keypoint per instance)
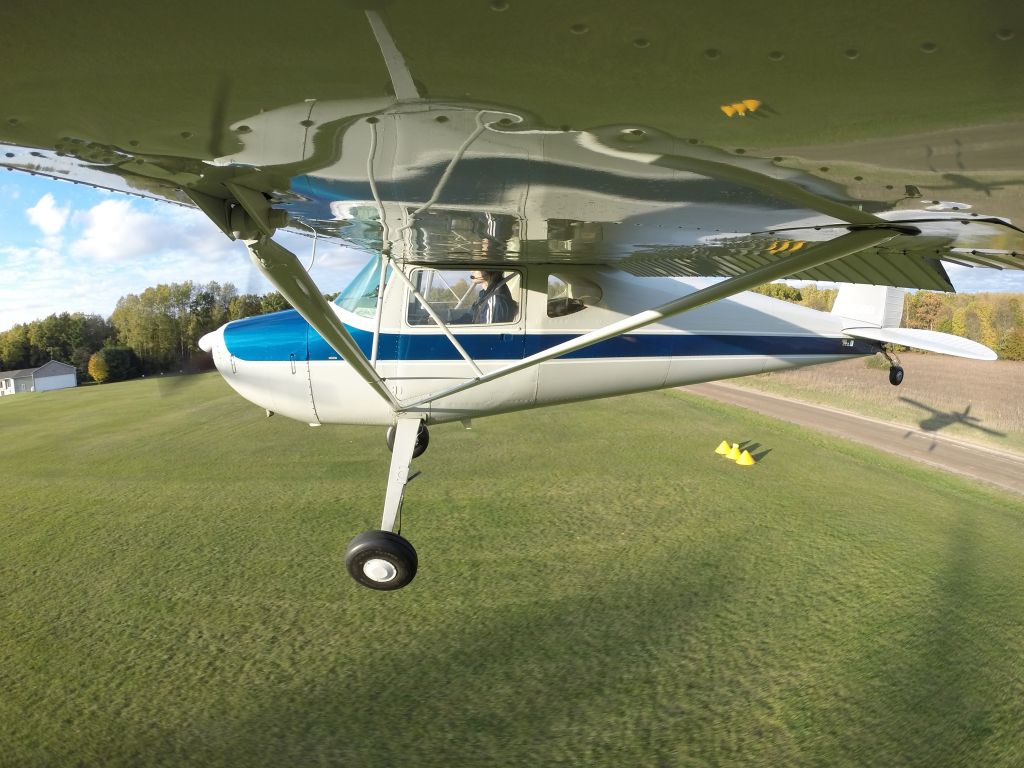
(69, 247)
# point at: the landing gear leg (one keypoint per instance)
(895, 369)
(383, 559)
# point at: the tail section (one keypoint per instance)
(870, 305)
(875, 312)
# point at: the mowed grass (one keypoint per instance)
(966, 399)
(597, 588)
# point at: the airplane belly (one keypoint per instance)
(414, 380)
(563, 381)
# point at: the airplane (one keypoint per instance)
(552, 203)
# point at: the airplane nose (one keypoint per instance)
(210, 340)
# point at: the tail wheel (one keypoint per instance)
(381, 560)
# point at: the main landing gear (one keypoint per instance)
(383, 559)
(895, 369)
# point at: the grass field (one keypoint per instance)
(966, 399)
(597, 588)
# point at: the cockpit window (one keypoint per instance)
(567, 295)
(360, 297)
(466, 296)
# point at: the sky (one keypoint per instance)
(71, 248)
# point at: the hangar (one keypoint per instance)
(51, 375)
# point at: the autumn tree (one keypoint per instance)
(98, 368)
(273, 302)
(245, 305)
(817, 298)
(780, 291)
(70, 338)
(1012, 347)
(164, 323)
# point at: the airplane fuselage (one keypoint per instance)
(280, 363)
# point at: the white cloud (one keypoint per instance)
(117, 246)
(47, 215)
(115, 231)
(979, 279)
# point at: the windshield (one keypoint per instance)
(360, 297)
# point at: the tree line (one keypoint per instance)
(158, 330)
(993, 319)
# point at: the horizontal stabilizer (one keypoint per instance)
(930, 341)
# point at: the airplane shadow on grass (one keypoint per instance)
(937, 420)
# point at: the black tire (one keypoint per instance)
(896, 375)
(422, 440)
(381, 560)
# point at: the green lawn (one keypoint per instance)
(597, 588)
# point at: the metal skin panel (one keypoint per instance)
(342, 397)
(274, 387)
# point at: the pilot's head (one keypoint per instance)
(484, 278)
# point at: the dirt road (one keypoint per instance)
(990, 465)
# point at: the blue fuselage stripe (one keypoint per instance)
(285, 336)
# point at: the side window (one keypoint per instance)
(567, 295)
(465, 296)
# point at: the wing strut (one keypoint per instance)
(822, 253)
(254, 222)
(282, 268)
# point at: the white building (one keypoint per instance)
(52, 375)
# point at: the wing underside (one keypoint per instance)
(511, 148)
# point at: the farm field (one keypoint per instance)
(980, 402)
(596, 588)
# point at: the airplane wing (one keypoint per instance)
(695, 140)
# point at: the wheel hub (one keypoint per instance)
(379, 570)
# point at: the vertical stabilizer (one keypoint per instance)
(880, 306)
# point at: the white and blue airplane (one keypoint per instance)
(537, 231)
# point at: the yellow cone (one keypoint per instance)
(745, 459)
(722, 449)
(734, 452)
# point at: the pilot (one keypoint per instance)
(495, 303)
